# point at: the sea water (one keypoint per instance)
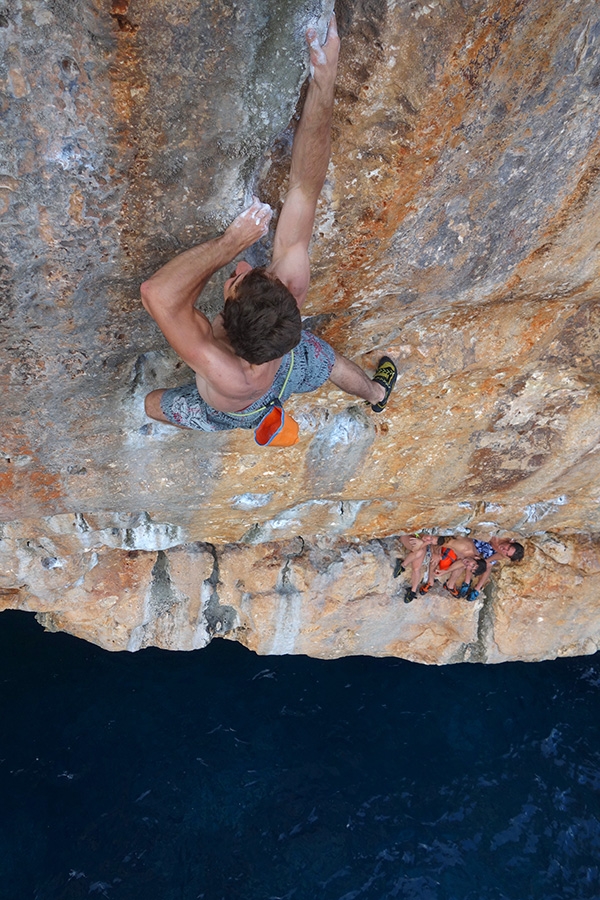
(221, 774)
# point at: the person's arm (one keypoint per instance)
(310, 158)
(170, 294)
(456, 565)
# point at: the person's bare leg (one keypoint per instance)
(351, 379)
(414, 547)
(153, 410)
(457, 576)
(417, 566)
(412, 556)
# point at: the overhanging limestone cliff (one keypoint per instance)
(457, 232)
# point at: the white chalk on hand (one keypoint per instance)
(257, 212)
(321, 59)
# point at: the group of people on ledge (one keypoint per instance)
(465, 563)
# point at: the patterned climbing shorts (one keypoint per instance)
(313, 362)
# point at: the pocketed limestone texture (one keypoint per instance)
(457, 232)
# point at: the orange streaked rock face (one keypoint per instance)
(457, 232)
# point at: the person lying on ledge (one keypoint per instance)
(255, 354)
(494, 551)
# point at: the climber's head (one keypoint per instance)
(476, 566)
(261, 316)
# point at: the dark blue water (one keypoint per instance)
(220, 774)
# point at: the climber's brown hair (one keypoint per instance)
(518, 553)
(261, 318)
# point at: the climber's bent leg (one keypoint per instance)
(153, 408)
(351, 379)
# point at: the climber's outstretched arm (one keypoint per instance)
(310, 158)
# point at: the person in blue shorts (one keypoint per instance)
(255, 351)
(493, 551)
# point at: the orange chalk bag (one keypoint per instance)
(277, 428)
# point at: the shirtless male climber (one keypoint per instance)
(255, 352)
(493, 551)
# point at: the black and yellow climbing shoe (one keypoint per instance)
(409, 596)
(385, 375)
(398, 568)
